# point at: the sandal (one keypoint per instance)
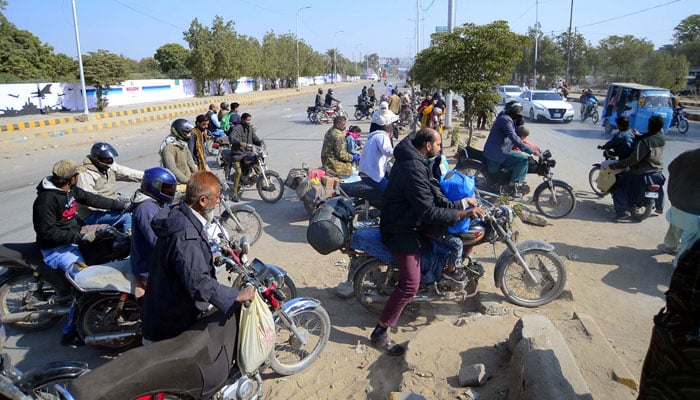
(388, 345)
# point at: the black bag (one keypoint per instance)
(331, 225)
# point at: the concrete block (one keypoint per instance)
(473, 375)
(542, 365)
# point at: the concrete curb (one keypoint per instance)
(543, 367)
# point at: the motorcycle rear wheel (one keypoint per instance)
(358, 115)
(290, 356)
(593, 175)
(251, 225)
(274, 193)
(43, 386)
(98, 314)
(642, 212)
(546, 203)
(545, 265)
(683, 126)
(374, 283)
(14, 294)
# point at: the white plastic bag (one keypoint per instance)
(256, 335)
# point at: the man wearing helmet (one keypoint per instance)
(99, 174)
(498, 149)
(174, 151)
(330, 99)
(157, 190)
(317, 102)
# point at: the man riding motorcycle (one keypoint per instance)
(330, 99)
(317, 101)
(498, 149)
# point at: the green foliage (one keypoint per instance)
(103, 69)
(66, 68)
(688, 30)
(172, 60)
(691, 51)
(666, 70)
(624, 57)
(23, 55)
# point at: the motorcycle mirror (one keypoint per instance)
(244, 245)
(305, 166)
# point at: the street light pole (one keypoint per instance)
(86, 111)
(296, 40)
(335, 52)
(353, 56)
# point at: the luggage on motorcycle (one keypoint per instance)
(311, 193)
(295, 176)
(257, 335)
(606, 179)
(331, 225)
(457, 186)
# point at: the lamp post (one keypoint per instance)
(296, 40)
(335, 52)
(353, 56)
(86, 111)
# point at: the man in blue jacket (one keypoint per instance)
(182, 281)
(498, 149)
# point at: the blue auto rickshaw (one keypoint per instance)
(638, 102)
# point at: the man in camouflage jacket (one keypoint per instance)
(335, 157)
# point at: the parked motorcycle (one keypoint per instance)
(680, 120)
(33, 296)
(239, 219)
(590, 110)
(553, 198)
(108, 315)
(38, 383)
(255, 173)
(529, 273)
(200, 363)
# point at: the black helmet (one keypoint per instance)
(102, 155)
(159, 184)
(180, 127)
(513, 108)
(320, 91)
(330, 91)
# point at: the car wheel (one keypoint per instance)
(532, 114)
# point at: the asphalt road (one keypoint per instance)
(291, 140)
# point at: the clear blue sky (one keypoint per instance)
(387, 27)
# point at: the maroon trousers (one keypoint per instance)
(409, 280)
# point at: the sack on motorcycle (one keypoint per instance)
(311, 193)
(606, 179)
(256, 336)
(457, 186)
(294, 176)
(331, 225)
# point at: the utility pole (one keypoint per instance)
(335, 52)
(296, 39)
(568, 45)
(450, 28)
(86, 111)
(537, 38)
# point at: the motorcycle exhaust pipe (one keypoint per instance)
(104, 338)
(29, 316)
(374, 299)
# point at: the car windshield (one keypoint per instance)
(659, 99)
(512, 89)
(545, 96)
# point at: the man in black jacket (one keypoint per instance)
(182, 281)
(241, 136)
(58, 231)
(412, 202)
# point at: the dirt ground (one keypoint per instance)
(442, 336)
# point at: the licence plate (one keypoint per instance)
(214, 152)
(651, 195)
(557, 115)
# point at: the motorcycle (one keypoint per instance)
(327, 114)
(312, 115)
(38, 383)
(255, 173)
(529, 273)
(34, 296)
(108, 314)
(594, 173)
(367, 113)
(680, 120)
(407, 116)
(199, 363)
(590, 110)
(553, 198)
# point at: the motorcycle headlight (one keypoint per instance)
(263, 154)
(551, 163)
(505, 212)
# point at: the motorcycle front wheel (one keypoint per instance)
(595, 116)
(100, 314)
(683, 126)
(358, 115)
(290, 355)
(43, 385)
(519, 289)
(270, 192)
(555, 202)
(15, 297)
(374, 283)
(250, 225)
(593, 175)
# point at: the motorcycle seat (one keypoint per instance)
(116, 276)
(28, 253)
(361, 190)
(196, 362)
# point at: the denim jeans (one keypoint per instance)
(217, 133)
(381, 185)
(516, 161)
(409, 281)
(114, 218)
(63, 257)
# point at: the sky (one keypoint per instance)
(358, 27)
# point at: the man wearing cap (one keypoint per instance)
(54, 218)
(671, 367)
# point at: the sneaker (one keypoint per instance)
(622, 216)
(457, 275)
(670, 250)
(234, 198)
(387, 345)
(72, 339)
(659, 210)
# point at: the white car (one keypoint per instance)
(508, 93)
(546, 104)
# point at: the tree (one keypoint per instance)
(172, 60)
(580, 55)
(23, 57)
(688, 30)
(691, 51)
(624, 56)
(666, 70)
(469, 61)
(66, 68)
(199, 62)
(103, 69)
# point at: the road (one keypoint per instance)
(603, 281)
